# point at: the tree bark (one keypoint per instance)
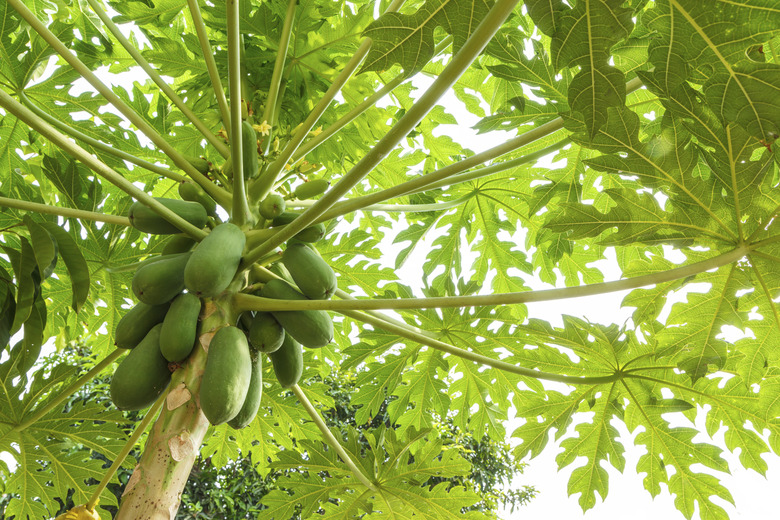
(156, 485)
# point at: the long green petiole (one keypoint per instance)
(211, 65)
(479, 358)
(393, 208)
(215, 141)
(100, 168)
(240, 209)
(270, 112)
(64, 212)
(103, 147)
(246, 302)
(126, 449)
(331, 439)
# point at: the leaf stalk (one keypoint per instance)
(246, 302)
(64, 212)
(331, 439)
(211, 64)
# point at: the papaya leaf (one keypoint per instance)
(74, 261)
(407, 39)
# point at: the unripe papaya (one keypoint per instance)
(142, 376)
(313, 329)
(285, 218)
(254, 393)
(214, 261)
(311, 189)
(180, 328)
(249, 149)
(178, 244)
(281, 271)
(199, 163)
(272, 206)
(137, 322)
(265, 333)
(310, 234)
(288, 362)
(226, 377)
(313, 276)
(161, 281)
(194, 193)
(146, 219)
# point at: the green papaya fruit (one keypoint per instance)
(312, 233)
(313, 329)
(313, 276)
(265, 333)
(137, 322)
(141, 376)
(281, 271)
(285, 218)
(226, 378)
(249, 149)
(192, 192)
(160, 281)
(199, 163)
(180, 328)
(272, 206)
(309, 234)
(178, 244)
(254, 394)
(214, 261)
(312, 188)
(145, 219)
(288, 362)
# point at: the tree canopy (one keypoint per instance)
(659, 119)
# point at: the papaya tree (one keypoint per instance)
(292, 167)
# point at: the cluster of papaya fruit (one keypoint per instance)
(162, 329)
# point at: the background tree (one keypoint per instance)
(236, 489)
(660, 118)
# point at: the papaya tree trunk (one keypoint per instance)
(155, 488)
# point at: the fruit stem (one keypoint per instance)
(70, 390)
(393, 208)
(331, 439)
(215, 141)
(211, 65)
(64, 212)
(126, 449)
